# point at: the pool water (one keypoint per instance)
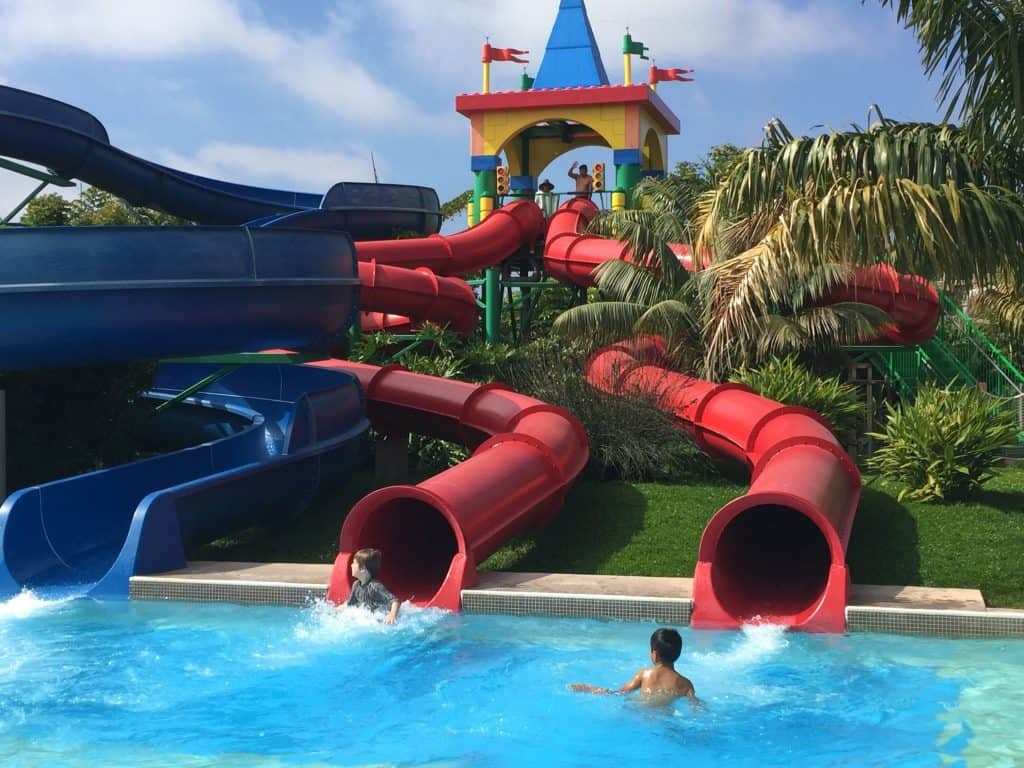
(177, 684)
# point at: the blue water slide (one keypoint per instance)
(73, 143)
(85, 294)
(96, 530)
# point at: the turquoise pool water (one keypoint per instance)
(174, 684)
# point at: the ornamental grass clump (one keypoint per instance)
(944, 444)
(629, 437)
(786, 381)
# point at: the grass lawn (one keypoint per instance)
(653, 529)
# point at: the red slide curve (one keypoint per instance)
(778, 551)
(526, 454)
(405, 279)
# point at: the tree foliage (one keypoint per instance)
(797, 213)
(92, 207)
(977, 46)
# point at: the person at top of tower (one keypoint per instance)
(545, 199)
(584, 181)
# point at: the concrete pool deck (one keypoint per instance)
(871, 608)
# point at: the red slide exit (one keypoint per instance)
(778, 551)
(526, 455)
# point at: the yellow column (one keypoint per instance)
(486, 207)
(627, 66)
(470, 214)
(487, 77)
(618, 201)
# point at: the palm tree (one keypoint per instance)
(791, 218)
(657, 296)
(977, 48)
(927, 199)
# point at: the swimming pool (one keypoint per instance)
(160, 684)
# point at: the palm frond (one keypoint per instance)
(623, 281)
(672, 319)
(1003, 303)
(603, 322)
(978, 47)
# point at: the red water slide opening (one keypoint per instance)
(778, 551)
(526, 454)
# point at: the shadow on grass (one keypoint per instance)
(598, 520)
(884, 543)
(1011, 502)
(310, 537)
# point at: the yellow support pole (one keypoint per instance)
(618, 201)
(486, 207)
(487, 77)
(627, 66)
(470, 215)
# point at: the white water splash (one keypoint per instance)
(27, 603)
(755, 643)
(328, 623)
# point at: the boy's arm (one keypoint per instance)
(392, 616)
(632, 685)
(572, 171)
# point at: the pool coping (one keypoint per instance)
(667, 600)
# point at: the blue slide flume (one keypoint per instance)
(72, 142)
(72, 295)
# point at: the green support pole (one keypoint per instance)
(185, 393)
(484, 185)
(17, 209)
(627, 176)
(492, 300)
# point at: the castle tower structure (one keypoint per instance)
(569, 105)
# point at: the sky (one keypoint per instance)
(299, 95)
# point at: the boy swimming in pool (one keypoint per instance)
(367, 590)
(660, 683)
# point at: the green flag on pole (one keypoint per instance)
(634, 47)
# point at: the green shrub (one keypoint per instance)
(944, 444)
(66, 421)
(788, 382)
(629, 437)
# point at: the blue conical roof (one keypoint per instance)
(572, 58)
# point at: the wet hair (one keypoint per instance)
(583, 169)
(370, 560)
(668, 644)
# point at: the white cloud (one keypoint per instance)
(314, 67)
(721, 33)
(304, 170)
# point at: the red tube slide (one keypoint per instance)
(488, 243)
(433, 535)
(571, 257)
(779, 551)
(418, 293)
(395, 297)
(911, 301)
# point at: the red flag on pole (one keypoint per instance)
(502, 54)
(665, 75)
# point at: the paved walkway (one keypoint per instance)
(579, 584)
